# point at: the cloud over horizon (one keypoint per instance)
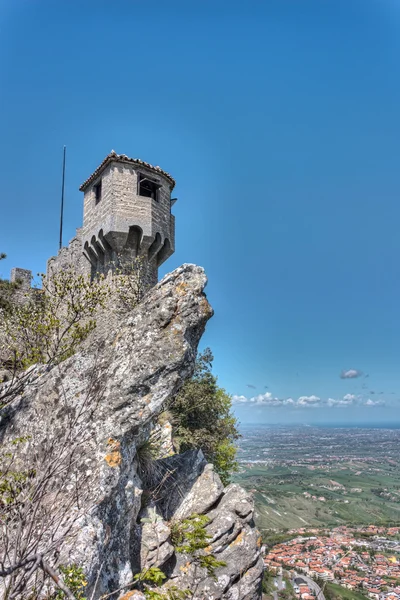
(312, 401)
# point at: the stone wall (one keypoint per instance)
(70, 255)
(23, 277)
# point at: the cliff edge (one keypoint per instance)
(87, 423)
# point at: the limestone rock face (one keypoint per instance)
(192, 487)
(155, 545)
(103, 402)
(161, 436)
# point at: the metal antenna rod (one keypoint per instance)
(62, 197)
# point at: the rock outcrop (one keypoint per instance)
(92, 416)
(187, 485)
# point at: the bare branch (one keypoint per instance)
(57, 580)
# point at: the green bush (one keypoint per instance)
(190, 536)
(51, 323)
(75, 580)
(202, 411)
(150, 581)
(7, 290)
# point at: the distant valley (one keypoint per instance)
(321, 476)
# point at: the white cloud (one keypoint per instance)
(332, 402)
(266, 399)
(289, 401)
(309, 401)
(263, 398)
(350, 397)
(350, 374)
(370, 402)
(239, 399)
(353, 400)
(347, 400)
(312, 401)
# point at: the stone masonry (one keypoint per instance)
(126, 215)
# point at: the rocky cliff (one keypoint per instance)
(87, 422)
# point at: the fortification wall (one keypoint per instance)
(23, 277)
(68, 256)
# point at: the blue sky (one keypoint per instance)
(279, 120)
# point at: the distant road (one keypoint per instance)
(310, 582)
(281, 586)
(313, 586)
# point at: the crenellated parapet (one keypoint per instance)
(70, 255)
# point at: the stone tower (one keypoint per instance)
(126, 214)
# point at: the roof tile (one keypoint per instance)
(123, 158)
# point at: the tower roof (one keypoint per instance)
(122, 158)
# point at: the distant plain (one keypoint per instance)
(321, 476)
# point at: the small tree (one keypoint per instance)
(48, 326)
(7, 290)
(190, 536)
(204, 420)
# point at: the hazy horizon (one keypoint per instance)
(326, 425)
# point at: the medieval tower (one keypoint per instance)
(126, 215)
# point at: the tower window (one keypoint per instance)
(97, 192)
(148, 187)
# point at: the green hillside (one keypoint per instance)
(283, 495)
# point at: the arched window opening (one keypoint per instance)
(148, 187)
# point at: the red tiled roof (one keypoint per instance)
(122, 158)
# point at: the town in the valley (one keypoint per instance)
(363, 559)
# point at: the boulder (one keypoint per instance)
(192, 487)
